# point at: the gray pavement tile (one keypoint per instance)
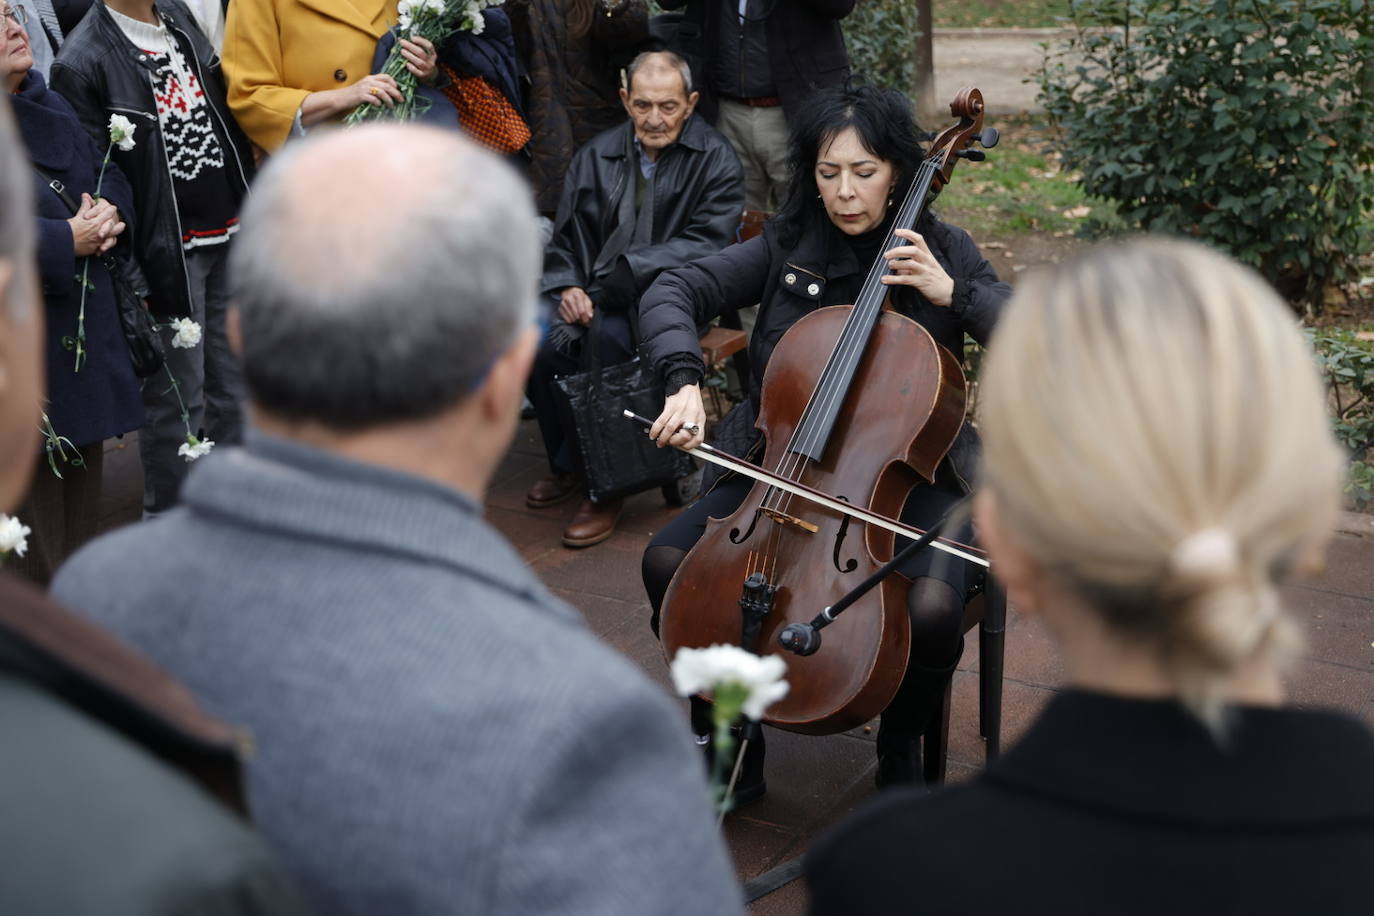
(1349, 567)
(514, 478)
(788, 900)
(755, 846)
(605, 616)
(534, 535)
(610, 568)
(805, 774)
(1339, 628)
(1326, 685)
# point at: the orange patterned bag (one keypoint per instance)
(486, 114)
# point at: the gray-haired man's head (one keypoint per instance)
(659, 99)
(379, 273)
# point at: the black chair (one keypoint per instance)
(987, 610)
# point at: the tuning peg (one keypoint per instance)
(989, 137)
(972, 155)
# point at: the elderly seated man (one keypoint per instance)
(657, 192)
(435, 732)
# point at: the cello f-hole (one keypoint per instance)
(851, 564)
(737, 538)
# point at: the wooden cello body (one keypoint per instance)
(860, 403)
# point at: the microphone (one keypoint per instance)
(805, 638)
(800, 638)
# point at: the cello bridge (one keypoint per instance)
(782, 518)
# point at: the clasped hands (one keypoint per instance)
(96, 227)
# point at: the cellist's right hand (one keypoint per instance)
(683, 412)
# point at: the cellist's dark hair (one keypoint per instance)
(886, 127)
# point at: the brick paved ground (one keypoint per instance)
(813, 782)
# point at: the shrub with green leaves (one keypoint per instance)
(1347, 366)
(881, 38)
(1243, 124)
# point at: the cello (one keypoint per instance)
(860, 403)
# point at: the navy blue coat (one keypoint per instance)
(101, 400)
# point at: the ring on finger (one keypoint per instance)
(692, 428)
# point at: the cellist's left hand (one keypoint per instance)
(914, 265)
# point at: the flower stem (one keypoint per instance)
(100, 179)
(185, 414)
(53, 443)
(86, 272)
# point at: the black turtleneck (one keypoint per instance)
(866, 246)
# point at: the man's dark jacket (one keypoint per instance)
(791, 279)
(100, 72)
(1128, 807)
(698, 197)
(805, 47)
(107, 780)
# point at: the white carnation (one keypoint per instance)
(187, 333)
(705, 670)
(122, 132)
(433, 6)
(14, 535)
(194, 448)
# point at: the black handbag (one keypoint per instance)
(140, 331)
(618, 459)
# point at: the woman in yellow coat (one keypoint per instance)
(292, 64)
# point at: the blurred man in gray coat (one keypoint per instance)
(435, 732)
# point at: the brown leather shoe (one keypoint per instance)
(551, 490)
(593, 523)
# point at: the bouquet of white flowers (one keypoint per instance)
(435, 21)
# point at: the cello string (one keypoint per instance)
(842, 361)
(850, 349)
(870, 299)
(853, 338)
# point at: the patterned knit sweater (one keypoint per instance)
(195, 157)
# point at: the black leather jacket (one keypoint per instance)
(100, 72)
(698, 197)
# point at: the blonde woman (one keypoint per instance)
(1157, 459)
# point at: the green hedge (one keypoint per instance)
(1244, 124)
(881, 37)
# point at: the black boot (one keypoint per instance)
(750, 787)
(919, 700)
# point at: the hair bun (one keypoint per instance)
(1205, 555)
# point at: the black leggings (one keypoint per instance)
(940, 581)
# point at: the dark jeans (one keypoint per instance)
(560, 442)
(210, 382)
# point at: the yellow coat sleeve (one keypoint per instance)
(277, 52)
(254, 68)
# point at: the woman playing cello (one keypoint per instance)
(854, 153)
